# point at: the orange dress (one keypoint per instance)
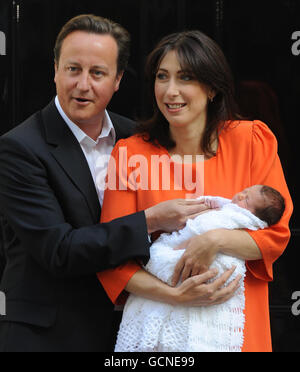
(246, 156)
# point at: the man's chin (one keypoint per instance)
(83, 121)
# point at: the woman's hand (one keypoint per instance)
(196, 291)
(200, 252)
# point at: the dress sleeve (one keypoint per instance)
(266, 169)
(119, 200)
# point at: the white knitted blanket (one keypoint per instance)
(149, 326)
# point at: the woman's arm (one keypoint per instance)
(194, 292)
(121, 200)
(130, 276)
(259, 248)
(237, 243)
(201, 251)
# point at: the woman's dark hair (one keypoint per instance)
(97, 25)
(202, 58)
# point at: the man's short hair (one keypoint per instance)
(97, 25)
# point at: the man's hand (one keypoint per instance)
(200, 252)
(172, 215)
(196, 291)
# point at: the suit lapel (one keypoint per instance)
(68, 153)
(122, 128)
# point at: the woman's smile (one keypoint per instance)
(175, 107)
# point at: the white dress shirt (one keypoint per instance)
(98, 152)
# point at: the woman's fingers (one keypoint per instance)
(222, 280)
(224, 293)
(177, 272)
(199, 280)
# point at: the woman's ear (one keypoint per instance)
(211, 95)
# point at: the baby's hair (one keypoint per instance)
(276, 206)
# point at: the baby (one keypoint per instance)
(149, 326)
(264, 202)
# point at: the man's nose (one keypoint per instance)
(83, 83)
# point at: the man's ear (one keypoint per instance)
(55, 70)
(118, 80)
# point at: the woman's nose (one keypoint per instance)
(173, 89)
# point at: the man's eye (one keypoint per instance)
(72, 69)
(98, 73)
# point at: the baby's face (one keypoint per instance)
(250, 198)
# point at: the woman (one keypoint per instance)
(194, 114)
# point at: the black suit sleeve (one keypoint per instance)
(31, 208)
(2, 253)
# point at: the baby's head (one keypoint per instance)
(264, 202)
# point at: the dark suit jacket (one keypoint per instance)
(2, 252)
(53, 240)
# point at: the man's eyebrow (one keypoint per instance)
(100, 67)
(72, 63)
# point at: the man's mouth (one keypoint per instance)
(82, 100)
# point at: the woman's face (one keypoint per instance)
(180, 97)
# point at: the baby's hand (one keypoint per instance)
(211, 203)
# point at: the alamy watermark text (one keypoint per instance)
(159, 172)
(2, 44)
(296, 305)
(2, 304)
(296, 44)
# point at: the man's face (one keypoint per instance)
(86, 77)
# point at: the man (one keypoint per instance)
(51, 202)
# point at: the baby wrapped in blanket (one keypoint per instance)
(149, 326)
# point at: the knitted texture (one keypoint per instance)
(149, 326)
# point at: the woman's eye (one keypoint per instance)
(186, 77)
(161, 76)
